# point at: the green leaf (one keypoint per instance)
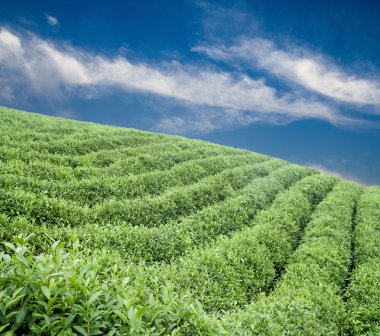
(47, 320)
(70, 319)
(122, 316)
(132, 318)
(10, 245)
(94, 297)
(17, 291)
(96, 314)
(2, 328)
(10, 315)
(81, 330)
(54, 246)
(37, 316)
(43, 304)
(18, 240)
(46, 291)
(140, 313)
(13, 302)
(21, 258)
(165, 295)
(21, 315)
(125, 281)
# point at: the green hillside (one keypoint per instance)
(115, 231)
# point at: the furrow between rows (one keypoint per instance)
(363, 292)
(234, 270)
(167, 242)
(181, 201)
(148, 211)
(307, 299)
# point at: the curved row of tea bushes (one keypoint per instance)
(147, 162)
(123, 156)
(153, 211)
(43, 210)
(37, 169)
(72, 146)
(171, 240)
(180, 201)
(307, 299)
(167, 148)
(118, 162)
(45, 131)
(95, 190)
(363, 293)
(75, 292)
(85, 146)
(80, 140)
(182, 174)
(280, 227)
(24, 141)
(132, 239)
(100, 158)
(30, 163)
(234, 270)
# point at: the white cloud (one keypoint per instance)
(51, 20)
(338, 174)
(217, 99)
(6, 92)
(316, 73)
(10, 49)
(182, 125)
(9, 40)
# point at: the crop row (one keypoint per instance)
(234, 270)
(105, 158)
(363, 293)
(307, 299)
(181, 201)
(94, 190)
(154, 244)
(177, 237)
(137, 164)
(80, 147)
(82, 138)
(75, 145)
(150, 211)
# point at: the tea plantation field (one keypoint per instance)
(115, 231)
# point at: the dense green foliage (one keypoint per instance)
(108, 230)
(307, 300)
(364, 290)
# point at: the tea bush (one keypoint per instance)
(115, 231)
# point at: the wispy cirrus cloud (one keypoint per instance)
(339, 173)
(313, 72)
(214, 98)
(52, 21)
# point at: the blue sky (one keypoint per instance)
(292, 79)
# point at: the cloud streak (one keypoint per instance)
(215, 99)
(315, 73)
(52, 21)
(337, 173)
